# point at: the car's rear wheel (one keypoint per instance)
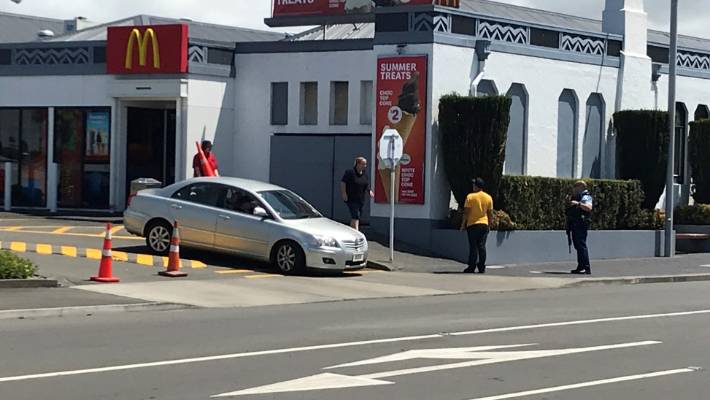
(289, 258)
(158, 236)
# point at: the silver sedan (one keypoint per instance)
(247, 218)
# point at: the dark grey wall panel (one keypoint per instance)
(566, 133)
(304, 164)
(593, 137)
(517, 131)
(345, 151)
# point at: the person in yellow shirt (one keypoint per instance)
(477, 219)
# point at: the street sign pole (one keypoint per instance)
(391, 149)
(392, 196)
(670, 204)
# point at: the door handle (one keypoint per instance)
(176, 206)
(227, 217)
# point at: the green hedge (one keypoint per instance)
(473, 136)
(14, 267)
(536, 203)
(642, 143)
(698, 214)
(699, 151)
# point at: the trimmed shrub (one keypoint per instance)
(501, 220)
(699, 151)
(536, 203)
(642, 143)
(14, 267)
(698, 214)
(473, 136)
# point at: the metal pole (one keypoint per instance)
(392, 188)
(392, 196)
(8, 185)
(669, 250)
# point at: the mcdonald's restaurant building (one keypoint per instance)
(86, 110)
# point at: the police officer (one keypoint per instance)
(580, 217)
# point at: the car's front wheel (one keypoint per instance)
(158, 236)
(289, 258)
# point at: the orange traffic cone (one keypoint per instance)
(173, 270)
(105, 272)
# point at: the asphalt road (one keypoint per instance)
(652, 343)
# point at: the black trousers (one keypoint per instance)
(477, 236)
(579, 238)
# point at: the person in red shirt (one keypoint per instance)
(197, 165)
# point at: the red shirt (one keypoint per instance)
(210, 159)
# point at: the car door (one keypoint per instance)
(194, 207)
(238, 229)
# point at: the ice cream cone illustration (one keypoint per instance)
(410, 105)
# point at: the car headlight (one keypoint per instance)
(326, 241)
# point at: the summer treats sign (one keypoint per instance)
(401, 104)
(341, 7)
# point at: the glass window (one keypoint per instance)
(23, 141)
(288, 205)
(32, 187)
(279, 103)
(240, 201)
(309, 103)
(366, 102)
(82, 152)
(201, 193)
(339, 103)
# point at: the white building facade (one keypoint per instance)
(297, 110)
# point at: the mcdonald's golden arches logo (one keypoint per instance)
(149, 37)
(152, 49)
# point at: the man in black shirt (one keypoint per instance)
(354, 188)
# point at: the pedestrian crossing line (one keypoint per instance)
(69, 251)
(263, 276)
(44, 249)
(62, 229)
(20, 247)
(12, 229)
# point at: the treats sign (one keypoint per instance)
(401, 103)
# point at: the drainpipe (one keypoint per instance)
(482, 53)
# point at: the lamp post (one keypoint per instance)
(672, 62)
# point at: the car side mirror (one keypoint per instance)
(260, 212)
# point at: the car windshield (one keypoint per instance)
(288, 205)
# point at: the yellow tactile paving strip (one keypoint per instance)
(95, 254)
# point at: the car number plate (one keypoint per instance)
(358, 258)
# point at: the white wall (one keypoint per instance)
(210, 116)
(69, 91)
(256, 72)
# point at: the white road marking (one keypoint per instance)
(341, 345)
(589, 384)
(705, 266)
(478, 358)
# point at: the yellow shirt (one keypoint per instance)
(477, 207)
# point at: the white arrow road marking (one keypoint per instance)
(463, 353)
(336, 381)
(221, 357)
(590, 384)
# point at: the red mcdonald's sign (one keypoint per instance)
(157, 49)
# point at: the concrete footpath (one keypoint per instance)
(249, 285)
(690, 265)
